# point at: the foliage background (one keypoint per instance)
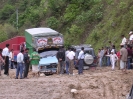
(92, 22)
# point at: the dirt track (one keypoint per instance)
(98, 84)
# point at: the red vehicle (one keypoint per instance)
(16, 43)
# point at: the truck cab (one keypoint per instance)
(47, 42)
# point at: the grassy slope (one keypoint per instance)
(117, 21)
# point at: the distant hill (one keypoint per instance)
(81, 21)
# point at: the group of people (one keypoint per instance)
(67, 61)
(108, 56)
(23, 60)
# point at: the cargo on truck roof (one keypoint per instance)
(42, 31)
(42, 38)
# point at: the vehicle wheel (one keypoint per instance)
(88, 59)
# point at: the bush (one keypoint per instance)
(122, 5)
(6, 12)
(73, 34)
(71, 12)
(92, 15)
(3, 34)
(52, 22)
(56, 6)
(10, 30)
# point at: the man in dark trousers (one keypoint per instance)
(81, 61)
(5, 54)
(26, 62)
(61, 59)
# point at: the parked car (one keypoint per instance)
(90, 59)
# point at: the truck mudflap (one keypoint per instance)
(130, 96)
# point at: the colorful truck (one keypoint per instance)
(47, 42)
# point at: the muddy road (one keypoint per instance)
(102, 83)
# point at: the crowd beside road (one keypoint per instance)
(67, 60)
(107, 56)
(23, 60)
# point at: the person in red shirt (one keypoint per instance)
(118, 61)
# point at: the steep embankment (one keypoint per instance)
(81, 21)
(117, 20)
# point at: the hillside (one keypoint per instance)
(93, 22)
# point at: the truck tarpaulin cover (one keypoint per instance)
(40, 38)
(41, 31)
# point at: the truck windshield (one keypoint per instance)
(48, 52)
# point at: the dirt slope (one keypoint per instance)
(98, 84)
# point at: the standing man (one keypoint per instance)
(110, 45)
(67, 61)
(129, 57)
(105, 57)
(131, 37)
(61, 59)
(81, 61)
(11, 59)
(124, 40)
(26, 62)
(35, 58)
(123, 58)
(108, 58)
(70, 57)
(5, 54)
(101, 57)
(20, 64)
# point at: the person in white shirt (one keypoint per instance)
(5, 54)
(11, 59)
(70, 57)
(81, 61)
(124, 40)
(113, 59)
(131, 37)
(20, 64)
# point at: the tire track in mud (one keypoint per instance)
(105, 87)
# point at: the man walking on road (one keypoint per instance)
(20, 64)
(123, 58)
(81, 61)
(5, 54)
(26, 62)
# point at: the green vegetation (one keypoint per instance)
(93, 22)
